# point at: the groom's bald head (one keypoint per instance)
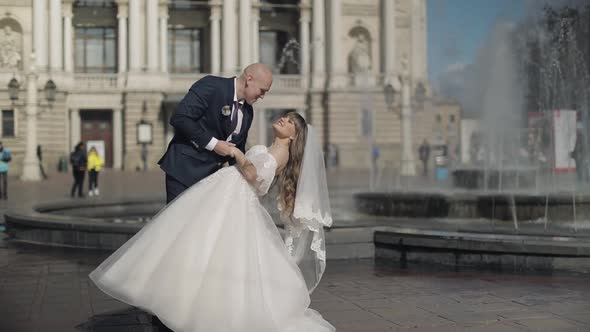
(257, 79)
(259, 71)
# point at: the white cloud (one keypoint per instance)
(451, 81)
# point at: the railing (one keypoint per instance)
(288, 82)
(181, 82)
(177, 82)
(96, 81)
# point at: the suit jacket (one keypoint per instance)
(197, 119)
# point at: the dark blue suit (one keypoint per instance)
(197, 119)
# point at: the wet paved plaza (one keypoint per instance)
(49, 290)
(45, 290)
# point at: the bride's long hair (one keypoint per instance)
(290, 175)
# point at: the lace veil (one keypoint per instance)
(305, 236)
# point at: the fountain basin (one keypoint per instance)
(494, 178)
(89, 224)
(557, 207)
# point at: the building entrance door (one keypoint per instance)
(97, 131)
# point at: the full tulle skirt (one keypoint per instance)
(212, 260)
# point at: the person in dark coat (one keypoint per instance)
(424, 155)
(78, 160)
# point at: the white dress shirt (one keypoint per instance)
(211, 145)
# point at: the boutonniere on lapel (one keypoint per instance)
(226, 110)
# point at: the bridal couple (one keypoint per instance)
(213, 260)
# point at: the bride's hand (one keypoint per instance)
(234, 152)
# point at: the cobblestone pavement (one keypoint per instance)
(46, 290)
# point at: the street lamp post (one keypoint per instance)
(31, 169)
(408, 167)
(144, 136)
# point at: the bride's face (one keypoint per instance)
(284, 127)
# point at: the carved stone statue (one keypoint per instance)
(404, 66)
(10, 50)
(360, 56)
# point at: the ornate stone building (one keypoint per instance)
(117, 63)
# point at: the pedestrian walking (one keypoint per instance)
(579, 155)
(40, 158)
(78, 160)
(4, 160)
(95, 163)
(424, 154)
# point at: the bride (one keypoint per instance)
(213, 260)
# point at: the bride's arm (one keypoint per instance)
(244, 166)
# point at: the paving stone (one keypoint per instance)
(336, 305)
(44, 290)
(550, 324)
(347, 316)
(365, 326)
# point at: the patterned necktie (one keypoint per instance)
(234, 116)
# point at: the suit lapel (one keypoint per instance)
(246, 121)
(229, 100)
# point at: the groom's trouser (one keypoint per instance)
(173, 188)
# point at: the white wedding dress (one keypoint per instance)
(214, 261)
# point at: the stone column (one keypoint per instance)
(262, 121)
(318, 48)
(152, 34)
(215, 37)
(117, 139)
(122, 35)
(255, 31)
(417, 42)
(134, 36)
(245, 33)
(75, 128)
(390, 39)
(40, 33)
(164, 36)
(31, 163)
(230, 41)
(424, 43)
(337, 58)
(408, 168)
(68, 38)
(55, 35)
(304, 21)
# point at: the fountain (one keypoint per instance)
(530, 89)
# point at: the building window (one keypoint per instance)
(96, 50)
(7, 123)
(275, 54)
(186, 4)
(184, 50)
(94, 3)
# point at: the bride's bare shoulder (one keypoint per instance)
(281, 156)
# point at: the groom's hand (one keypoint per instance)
(223, 148)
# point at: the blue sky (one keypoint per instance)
(458, 28)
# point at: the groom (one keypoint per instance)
(213, 116)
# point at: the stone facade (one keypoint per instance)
(332, 60)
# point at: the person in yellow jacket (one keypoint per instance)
(95, 163)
